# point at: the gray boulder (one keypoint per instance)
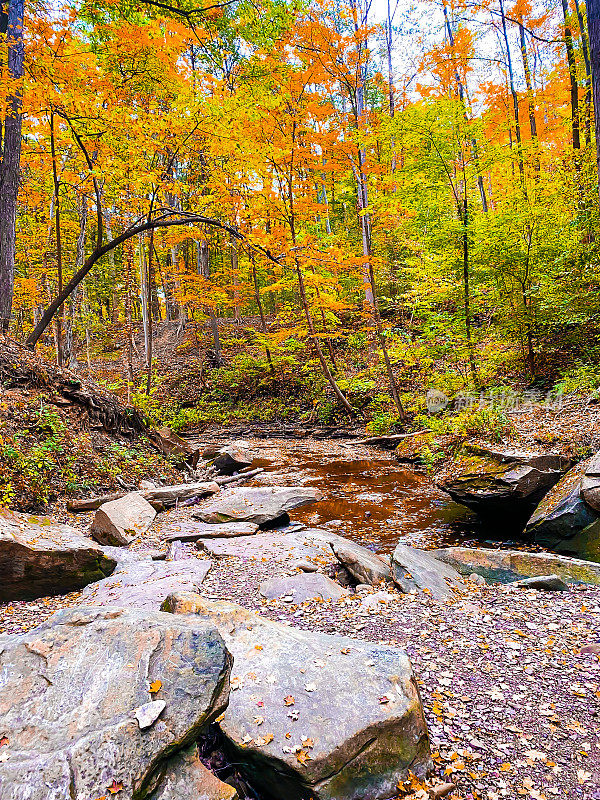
(260, 505)
(71, 688)
(184, 777)
(418, 570)
(363, 564)
(511, 481)
(146, 584)
(544, 583)
(352, 708)
(232, 458)
(564, 521)
(121, 521)
(301, 587)
(40, 556)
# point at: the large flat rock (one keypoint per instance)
(419, 570)
(256, 504)
(351, 708)
(309, 544)
(119, 522)
(40, 556)
(71, 689)
(146, 584)
(506, 566)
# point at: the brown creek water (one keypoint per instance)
(369, 497)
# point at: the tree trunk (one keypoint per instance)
(261, 312)
(57, 233)
(515, 99)
(530, 97)
(150, 284)
(588, 73)
(70, 355)
(572, 78)
(203, 255)
(11, 25)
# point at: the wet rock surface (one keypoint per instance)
(71, 689)
(40, 556)
(351, 708)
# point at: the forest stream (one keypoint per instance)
(369, 497)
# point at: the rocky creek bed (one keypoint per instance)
(509, 677)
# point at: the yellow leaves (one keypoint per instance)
(115, 787)
(289, 700)
(155, 687)
(302, 756)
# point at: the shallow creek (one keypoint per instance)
(369, 496)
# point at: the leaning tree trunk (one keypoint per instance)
(593, 17)
(11, 26)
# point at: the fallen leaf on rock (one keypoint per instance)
(289, 700)
(311, 687)
(3, 741)
(308, 742)
(115, 787)
(155, 687)
(262, 740)
(259, 720)
(302, 756)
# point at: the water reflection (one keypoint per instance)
(369, 497)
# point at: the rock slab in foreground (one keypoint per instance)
(418, 570)
(301, 587)
(186, 778)
(258, 504)
(40, 556)
(146, 584)
(119, 522)
(510, 481)
(72, 685)
(506, 566)
(363, 564)
(352, 708)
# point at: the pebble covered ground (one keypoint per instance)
(510, 678)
